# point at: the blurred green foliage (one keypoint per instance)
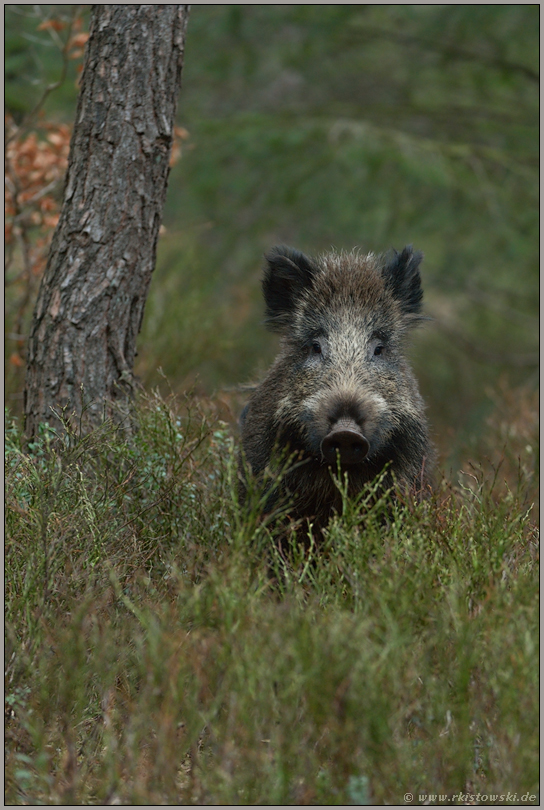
(34, 38)
(343, 125)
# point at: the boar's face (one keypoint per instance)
(349, 394)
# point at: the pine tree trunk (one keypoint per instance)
(91, 301)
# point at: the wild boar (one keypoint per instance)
(340, 394)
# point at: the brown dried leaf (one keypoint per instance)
(79, 40)
(54, 25)
(16, 360)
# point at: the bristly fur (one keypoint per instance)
(342, 318)
(402, 276)
(287, 273)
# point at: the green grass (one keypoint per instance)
(163, 648)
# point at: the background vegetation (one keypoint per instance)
(160, 648)
(334, 125)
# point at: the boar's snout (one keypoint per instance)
(345, 439)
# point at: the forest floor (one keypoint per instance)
(162, 647)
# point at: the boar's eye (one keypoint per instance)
(316, 348)
(378, 348)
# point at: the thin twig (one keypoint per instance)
(25, 125)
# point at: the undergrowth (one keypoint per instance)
(164, 647)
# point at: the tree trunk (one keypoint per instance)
(91, 301)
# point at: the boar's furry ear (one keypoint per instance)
(401, 274)
(286, 274)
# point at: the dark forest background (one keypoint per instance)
(324, 126)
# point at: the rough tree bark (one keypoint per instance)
(91, 301)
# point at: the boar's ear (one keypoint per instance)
(401, 275)
(286, 274)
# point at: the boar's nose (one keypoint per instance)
(346, 439)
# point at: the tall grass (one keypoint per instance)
(163, 647)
